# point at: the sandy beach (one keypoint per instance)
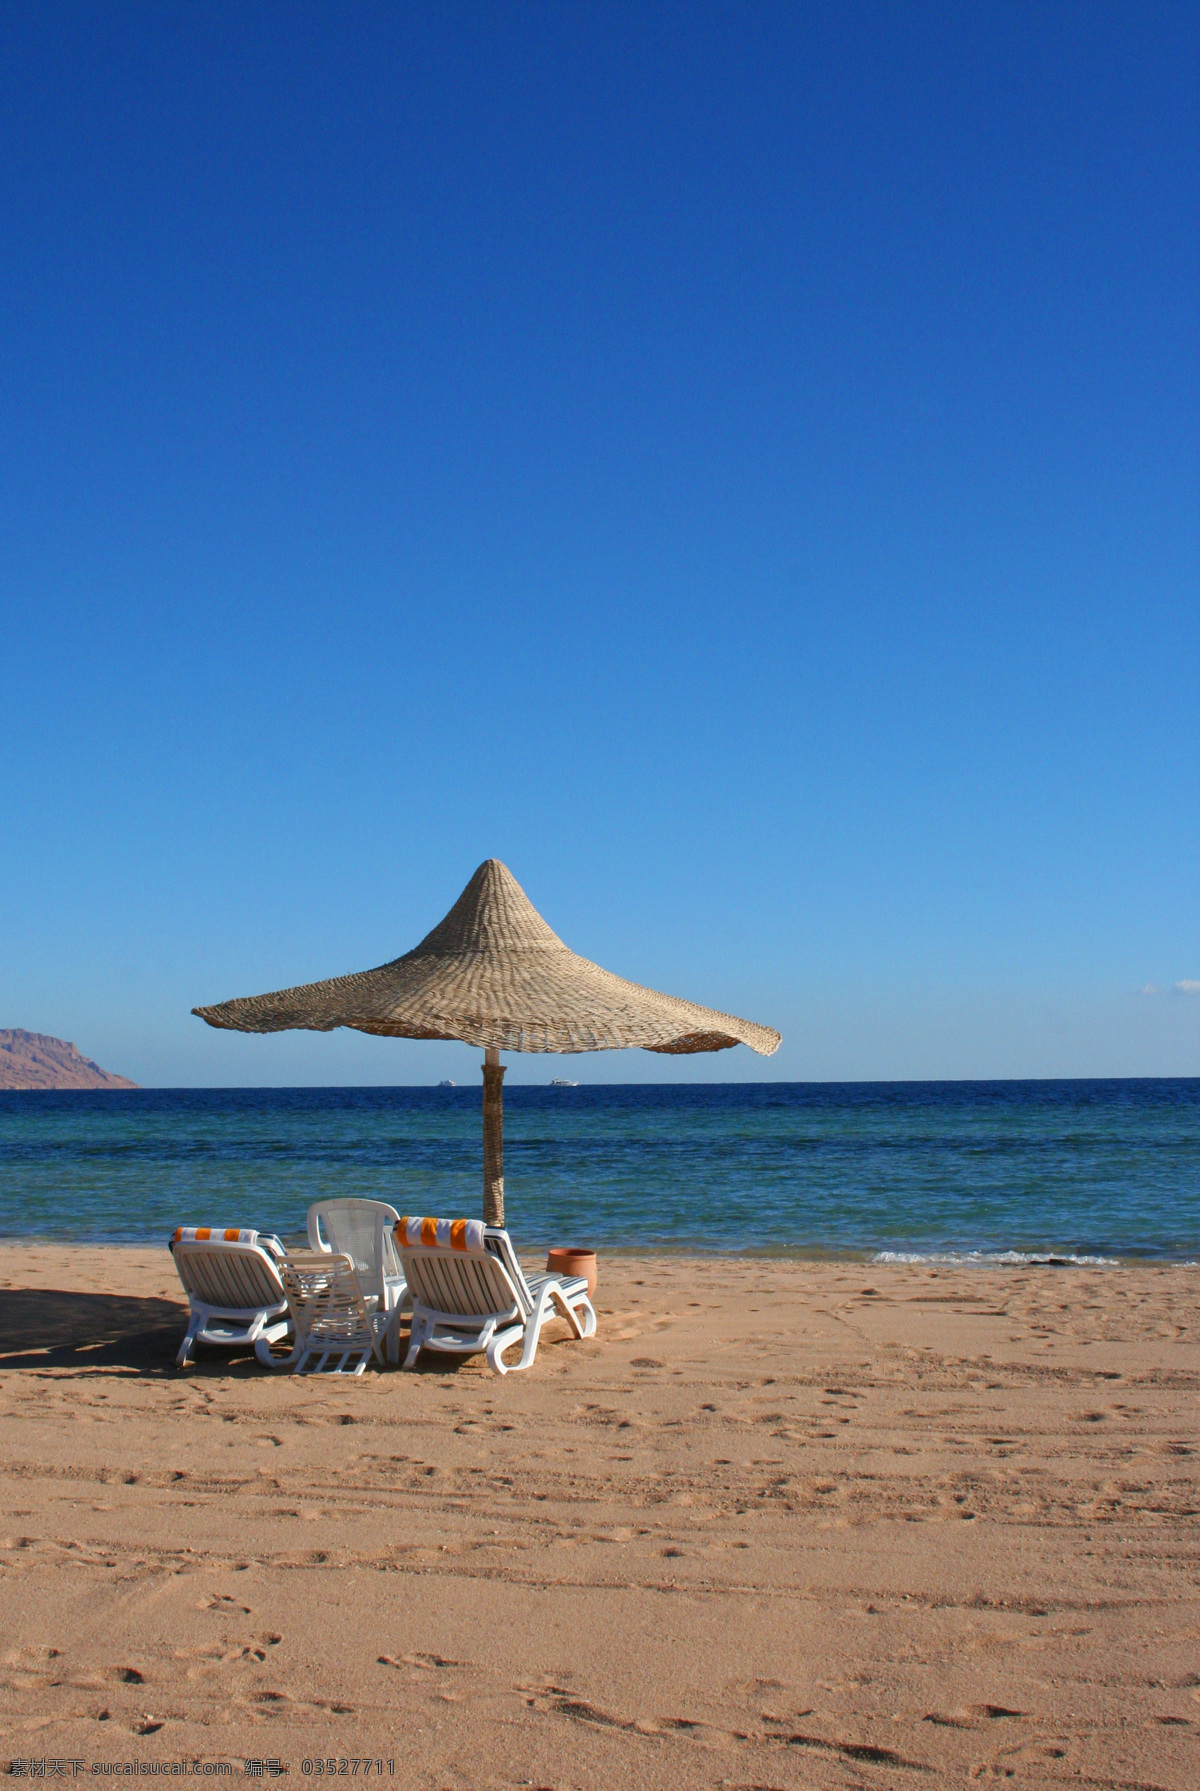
(781, 1524)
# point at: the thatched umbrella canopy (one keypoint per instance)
(494, 974)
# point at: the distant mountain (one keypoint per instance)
(32, 1060)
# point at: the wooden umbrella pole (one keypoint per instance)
(493, 1137)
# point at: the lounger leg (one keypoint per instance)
(571, 1312)
(197, 1319)
(585, 1327)
(500, 1341)
(416, 1338)
(532, 1328)
(392, 1336)
(580, 1314)
(273, 1334)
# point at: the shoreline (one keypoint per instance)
(936, 1257)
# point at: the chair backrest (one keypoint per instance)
(361, 1230)
(231, 1270)
(462, 1266)
(500, 1245)
(324, 1297)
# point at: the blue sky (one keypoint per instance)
(736, 464)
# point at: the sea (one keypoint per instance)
(1053, 1171)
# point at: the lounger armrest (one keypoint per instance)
(571, 1285)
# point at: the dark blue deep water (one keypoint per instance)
(1086, 1169)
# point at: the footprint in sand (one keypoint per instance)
(267, 1703)
(967, 1715)
(556, 1700)
(25, 1657)
(209, 1657)
(856, 1751)
(426, 1661)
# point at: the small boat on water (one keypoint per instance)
(446, 1083)
(562, 1082)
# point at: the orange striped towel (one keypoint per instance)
(442, 1234)
(216, 1234)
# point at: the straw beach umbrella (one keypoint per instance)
(494, 974)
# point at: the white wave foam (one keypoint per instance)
(999, 1258)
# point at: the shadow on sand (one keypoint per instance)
(44, 1327)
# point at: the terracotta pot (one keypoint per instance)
(566, 1260)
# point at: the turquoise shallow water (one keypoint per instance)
(1086, 1169)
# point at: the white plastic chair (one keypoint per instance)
(364, 1230)
(469, 1293)
(235, 1295)
(334, 1324)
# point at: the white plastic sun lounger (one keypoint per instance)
(235, 1295)
(363, 1230)
(336, 1331)
(469, 1293)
